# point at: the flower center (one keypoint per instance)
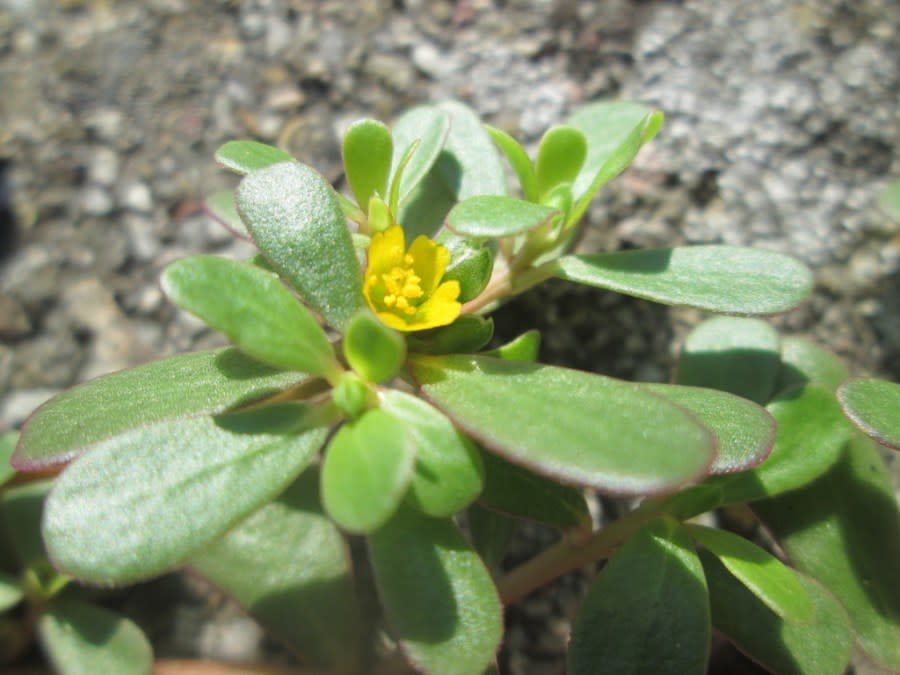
(401, 285)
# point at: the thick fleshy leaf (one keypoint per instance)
(744, 431)
(222, 207)
(493, 216)
(842, 530)
(802, 362)
(647, 610)
(290, 567)
(245, 156)
(141, 502)
(201, 383)
(873, 406)
(10, 591)
(82, 639)
(296, 221)
(367, 148)
(437, 595)
(470, 264)
(429, 126)
(822, 646)
(811, 434)
(490, 533)
(468, 333)
(889, 201)
(740, 356)
(525, 347)
(372, 349)
(449, 473)
(715, 278)
(777, 586)
(367, 470)
(519, 160)
(8, 442)
(520, 493)
(507, 404)
(254, 309)
(22, 510)
(560, 157)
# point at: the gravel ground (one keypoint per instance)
(781, 128)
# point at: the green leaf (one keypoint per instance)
(811, 434)
(822, 646)
(296, 221)
(222, 207)
(873, 406)
(437, 595)
(290, 567)
(560, 156)
(889, 201)
(517, 492)
(82, 639)
(647, 610)
(525, 347)
(219, 380)
(491, 533)
(448, 473)
(367, 148)
(715, 278)
(506, 405)
(367, 470)
(11, 593)
(245, 156)
(615, 132)
(468, 333)
(470, 264)
(254, 309)
(842, 530)
(740, 356)
(802, 362)
(777, 586)
(372, 349)
(519, 160)
(22, 510)
(429, 125)
(744, 431)
(141, 502)
(494, 216)
(8, 442)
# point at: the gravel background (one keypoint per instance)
(782, 125)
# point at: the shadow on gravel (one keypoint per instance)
(9, 234)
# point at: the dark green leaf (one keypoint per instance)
(494, 216)
(245, 156)
(740, 356)
(560, 156)
(491, 533)
(716, 278)
(367, 470)
(822, 646)
(22, 510)
(367, 148)
(448, 474)
(518, 160)
(429, 126)
(81, 639)
(8, 442)
(545, 418)
(141, 502)
(468, 333)
(296, 221)
(254, 309)
(372, 349)
(437, 595)
(647, 611)
(180, 386)
(288, 565)
(802, 362)
(777, 586)
(873, 406)
(222, 207)
(844, 531)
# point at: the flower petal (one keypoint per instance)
(429, 262)
(440, 309)
(385, 251)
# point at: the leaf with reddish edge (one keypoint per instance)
(874, 406)
(506, 406)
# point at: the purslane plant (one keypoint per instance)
(361, 398)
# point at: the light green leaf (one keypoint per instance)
(802, 362)
(296, 221)
(448, 474)
(429, 125)
(367, 470)
(525, 347)
(8, 442)
(372, 349)
(822, 646)
(245, 156)
(254, 309)
(222, 207)
(740, 356)
(81, 639)
(367, 148)
(777, 586)
(560, 156)
(744, 431)
(647, 610)
(437, 595)
(494, 216)
(219, 380)
(470, 264)
(141, 502)
(10, 591)
(22, 510)
(842, 530)
(715, 278)
(290, 567)
(508, 406)
(519, 160)
(873, 406)
(889, 201)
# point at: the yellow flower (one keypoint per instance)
(403, 287)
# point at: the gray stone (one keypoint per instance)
(16, 406)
